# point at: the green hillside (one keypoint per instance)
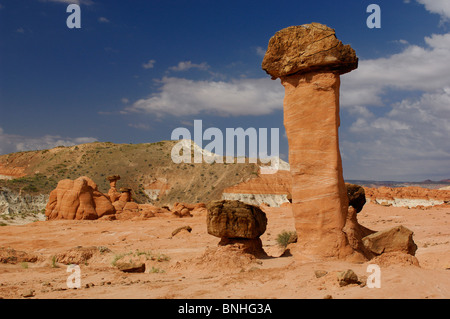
(137, 164)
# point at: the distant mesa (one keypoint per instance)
(411, 196)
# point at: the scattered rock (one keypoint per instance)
(131, 267)
(183, 228)
(188, 210)
(347, 277)
(328, 297)
(320, 273)
(397, 238)
(28, 293)
(276, 251)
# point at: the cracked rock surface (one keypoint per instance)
(307, 48)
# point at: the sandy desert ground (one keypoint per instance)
(189, 265)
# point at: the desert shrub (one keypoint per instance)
(286, 237)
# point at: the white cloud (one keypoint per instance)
(149, 65)
(103, 20)
(10, 143)
(441, 7)
(412, 139)
(260, 52)
(409, 138)
(415, 68)
(186, 65)
(179, 97)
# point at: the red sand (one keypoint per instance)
(190, 273)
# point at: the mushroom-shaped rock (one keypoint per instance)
(125, 195)
(309, 60)
(113, 193)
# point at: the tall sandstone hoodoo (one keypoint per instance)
(309, 60)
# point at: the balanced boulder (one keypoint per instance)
(238, 225)
(356, 196)
(235, 219)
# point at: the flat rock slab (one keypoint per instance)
(394, 239)
(131, 267)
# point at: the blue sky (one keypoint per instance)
(136, 70)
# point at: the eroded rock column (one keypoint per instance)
(309, 60)
(113, 193)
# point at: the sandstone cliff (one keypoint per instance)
(270, 189)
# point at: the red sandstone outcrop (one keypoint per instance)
(412, 192)
(123, 199)
(271, 189)
(78, 199)
(8, 172)
(278, 183)
(134, 211)
(309, 60)
(411, 196)
(157, 188)
(188, 210)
